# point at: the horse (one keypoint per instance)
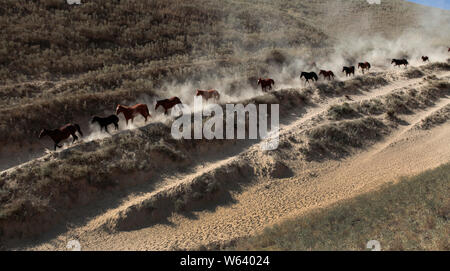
(309, 76)
(349, 71)
(168, 103)
(364, 66)
(129, 112)
(327, 74)
(425, 59)
(62, 133)
(104, 122)
(266, 83)
(399, 62)
(208, 94)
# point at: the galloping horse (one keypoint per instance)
(266, 83)
(129, 112)
(364, 66)
(425, 59)
(309, 76)
(327, 74)
(399, 62)
(168, 103)
(208, 94)
(349, 71)
(62, 133)
(104, 122)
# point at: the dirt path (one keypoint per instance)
(405, 152)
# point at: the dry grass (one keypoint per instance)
(438, 118)
(337, 139)
(410, 215)
(61, 62)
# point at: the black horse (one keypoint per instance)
(309, 76)
(104, 122)
(62, 133)
(349, 70)
(399, 62)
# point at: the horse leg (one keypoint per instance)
(106, 129)
(75, 137)
(116, 125)
(56, 145)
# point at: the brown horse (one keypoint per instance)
(62, 133)
(349, 70)
(208, 94)
(129, 112)
(168, 103)
(266, 83)
(425, 59)
(326, 74)
(364, 66)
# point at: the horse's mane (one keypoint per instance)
(122, 106)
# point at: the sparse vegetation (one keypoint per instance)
(410, 215)
(438, 118)
(335, 139)
(342, 111)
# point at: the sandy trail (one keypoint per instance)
(405, 152)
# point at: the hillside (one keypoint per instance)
(339, 138)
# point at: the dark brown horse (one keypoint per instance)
(327, 74)
(62, 133)
(266, 83)
(425, 59)
(349, 71)
(208, 94)
(309, 76)
(168, 103)
(104, 122)
(399, 62)
(364, 66)
(129, 112)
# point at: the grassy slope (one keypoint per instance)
(59, 63)
(410, 215)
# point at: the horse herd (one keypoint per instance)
(129, 112)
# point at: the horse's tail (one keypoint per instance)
(78, 129)
(368, 65)
(272, 81)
